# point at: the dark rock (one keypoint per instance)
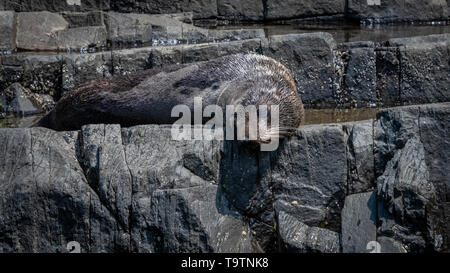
(236, 10)
(114, 190)
(393, 128)
(359, 222)
(56, 6)
(15, 99)
(411, 143)
(128, 28)
(289, 9)
(44, 189)
(309, 175)
(361, 177)
(360, 76)
(103, 159)
(310, 58)
(83, 19)
(425, 70)
(406, 191)
(300, 238)
(80, 68)
(389, 245)
(376, 11)
(39, 73)
(388, 76)
(200, 8)
(130, 60)
(176, 207)
(7, 31)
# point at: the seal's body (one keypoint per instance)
(148, 97)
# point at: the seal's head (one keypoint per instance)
(263, 81)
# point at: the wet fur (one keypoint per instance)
(147, 97)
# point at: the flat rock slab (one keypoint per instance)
(359, 222)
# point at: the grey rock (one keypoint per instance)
(361, 177)
(50, 31)
(289, 9)
(44, 189)
(57, 6)
(114, 190)
(410, 143)
(7, 31)
(84, 19)
(309, 175)
(359, 222)
(310, 58)
(360, 76)
(81, 37)
(411, 41)
(300, 238)
(236, 10)
(130, 60)
(103, 160)
(389, 245)
(388, 75)
(393, 128)
(39, 73)
(406, 191)
(397, 10)
(38, 30)
(425, 70)
(176, 206)
(16, 100)
(80, 68)
(200, 8)
(128, 28)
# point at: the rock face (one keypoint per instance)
(410, 147)
(430, 53)
(398, 10)
(16, 100)
(371, 11)
(50, 31)
(7, 31)
(297, 9)
(359, 219)
(310, 57)
(135, 189)
(359, 80)
(361, 74)
(96, 187)
(235, 10)
(38, 30)
(299, 238)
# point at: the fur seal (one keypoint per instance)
(147, 97)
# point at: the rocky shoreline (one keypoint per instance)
(213, 11)
(329, 188)
(351, 187)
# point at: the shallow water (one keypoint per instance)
(19, 122)
(350, 32)
(322, 116)
(312, 116)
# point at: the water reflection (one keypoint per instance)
(350, 32)
(312, 116)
